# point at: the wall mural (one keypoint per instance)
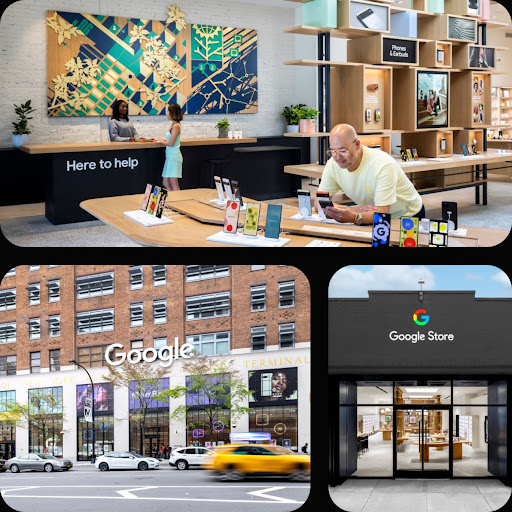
(93, 60)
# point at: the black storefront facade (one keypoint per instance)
(419, 386)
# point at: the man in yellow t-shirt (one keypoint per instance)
(369, 177)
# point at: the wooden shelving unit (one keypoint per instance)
(438, 28)
(370, 50)
(461, 56)
(501, 115)
(430, 56)
(429, 144)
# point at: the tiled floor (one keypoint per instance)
(373, 495)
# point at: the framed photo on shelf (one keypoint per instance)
(432, 99)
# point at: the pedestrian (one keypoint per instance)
(305, 448)
(169, 450)
(163, 451)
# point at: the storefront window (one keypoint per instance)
(280, 421)
(203, 432)
(156, 432)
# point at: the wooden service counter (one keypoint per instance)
(80, 171)
(431, 175)
(196, 218)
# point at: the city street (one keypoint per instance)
(84, 488)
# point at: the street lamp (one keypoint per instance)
(93, 458)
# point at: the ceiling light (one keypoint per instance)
(421, 389)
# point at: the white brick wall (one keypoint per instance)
(23, 66)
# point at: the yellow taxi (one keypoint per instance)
(233, 462)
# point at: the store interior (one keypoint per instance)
(303, 53)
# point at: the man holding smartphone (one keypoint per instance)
(369, 177)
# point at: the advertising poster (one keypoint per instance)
(103, 398)
(273, 385)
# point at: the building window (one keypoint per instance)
(55, 360)
(92, 356)
(158, 343)
(136, 315)
(257, 267)
(95, 285)
(207, 306)
(137, 345)
(8, 332)
(34, 328)
(31, 268)
(287, 294)
(211, 344)
(11, 272)
(7, 398)
(35, 362)
(159, 311)
(8, 299)
(200, 272)
(7, 365)
(53, 266)
(45, 427)
(258, 298)
(136, 277)
(287, 335)
(54, 326)
(279, 420)
(159, 275)
(34, 294)
(54, 290)
(95, 321)
(259, 338)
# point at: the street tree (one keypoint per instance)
(212, 386)
(144, 382)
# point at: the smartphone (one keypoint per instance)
(415, 154)
(409, 155)
(304, 202)
(266, 384)
(227, 189)
(473, 147)
(161, 203)
(147, 194)
(321, 195)
(464, 149)
(381, 229)
(252, 215)
(324, 203)
(409, 231)
(218, 186)
(236, 191)
(370, 20)
(438, 233)
(470, 151)
(153, 200)
(377, 114)
(368, 115)
(449, 212)
(403, 156)
(273, 224)
(443, 144)
(231, 217)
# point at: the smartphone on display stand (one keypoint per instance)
(252, 215)
(324, 203)
(236, 192)
(273, 224)
(218, 186)
(438, 233)
(231, 217)
(409, 231)
(304, 202)
(147, 195)
(153, 201)
(381, 229)
(161, 203)
(321, 195)
(449, 213)
(370, 20)
(227, 189)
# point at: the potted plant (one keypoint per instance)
(20, 135)
(308, 119)
(223, 126)
(291, 114)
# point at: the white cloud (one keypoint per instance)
(353, 282)
(501, 278)
(471, 276)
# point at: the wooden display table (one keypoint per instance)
(195, 206)
(446, 165)
(457, 449)
(387, 434)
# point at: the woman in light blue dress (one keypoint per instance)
(173, 158)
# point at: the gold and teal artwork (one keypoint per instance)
(93, 60)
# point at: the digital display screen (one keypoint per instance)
(146, 392)
(273, 385)
(103, 398)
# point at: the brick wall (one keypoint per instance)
(23, 69)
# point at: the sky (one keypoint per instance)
(356, 280)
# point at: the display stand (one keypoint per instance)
(252, 241)
(316, 218)
(430, 143)
(435, 54)
(464, 99)
(447, 27)
(146, 219)
(466, 137)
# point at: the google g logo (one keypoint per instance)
(421, 317)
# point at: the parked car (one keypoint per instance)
(37, 462)
(183, 458)
(236, 461)
(125, 460)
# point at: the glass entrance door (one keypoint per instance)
(423, 441)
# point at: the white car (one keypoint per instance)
(125, 460)
(182, 458)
